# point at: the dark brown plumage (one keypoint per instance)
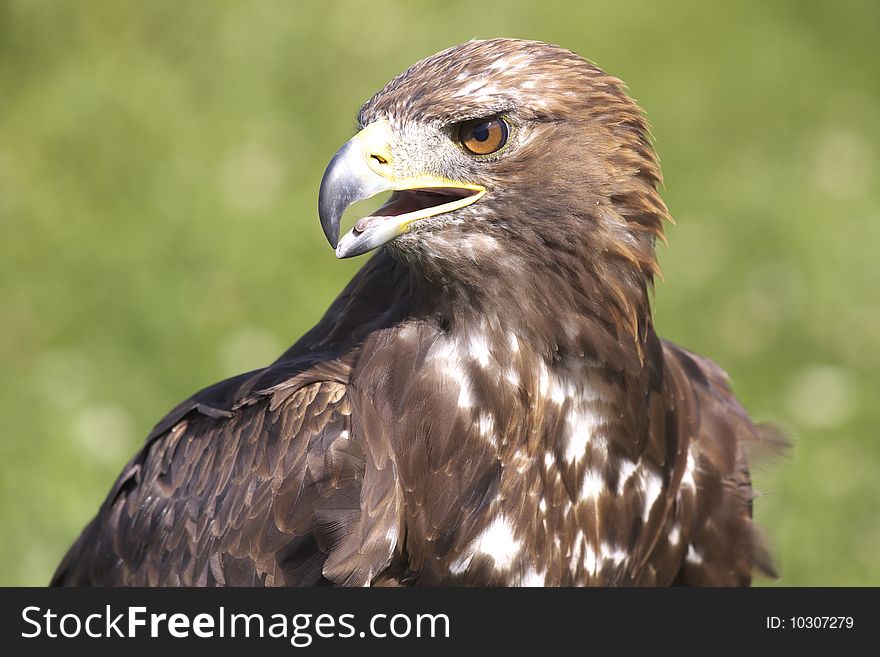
(486, 403)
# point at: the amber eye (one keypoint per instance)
(483, 136)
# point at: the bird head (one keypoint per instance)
(499, 149)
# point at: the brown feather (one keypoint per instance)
(465, 414)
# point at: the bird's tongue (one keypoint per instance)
(364, 224)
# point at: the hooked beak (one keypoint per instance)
(364, 167)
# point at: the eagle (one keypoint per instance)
(486, 403)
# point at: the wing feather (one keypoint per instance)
(721, 543)
(247, 485)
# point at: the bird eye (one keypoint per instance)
(483, 136)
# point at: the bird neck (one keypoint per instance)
(565, 312)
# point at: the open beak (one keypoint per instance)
(364, 167)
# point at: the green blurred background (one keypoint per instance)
(159, 164)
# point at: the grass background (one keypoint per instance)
(159, 165)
